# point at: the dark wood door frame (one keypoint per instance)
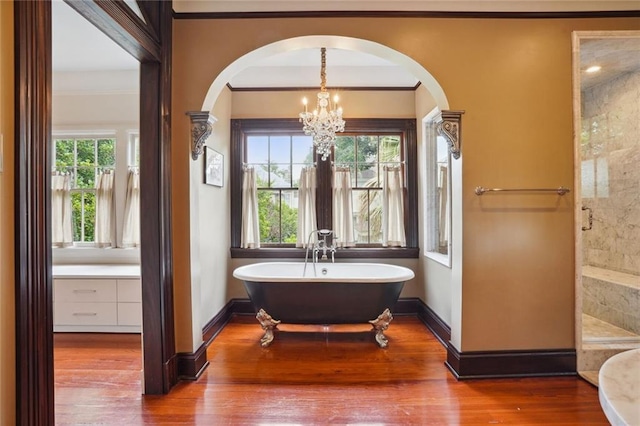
(150, 42)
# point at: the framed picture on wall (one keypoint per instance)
(213, 167)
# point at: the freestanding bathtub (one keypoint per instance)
(324, 293)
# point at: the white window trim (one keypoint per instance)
(430, 209)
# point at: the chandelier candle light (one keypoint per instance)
(326, 119)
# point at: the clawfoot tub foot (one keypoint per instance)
(268, 324)
(380, 324)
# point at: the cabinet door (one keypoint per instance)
(130, 314)
(129, 290)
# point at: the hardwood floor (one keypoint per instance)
(308, 377)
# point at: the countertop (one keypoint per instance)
(619, 388)
(96, 271)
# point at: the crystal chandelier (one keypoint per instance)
(326, 119)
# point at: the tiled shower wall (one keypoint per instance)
(611, 173)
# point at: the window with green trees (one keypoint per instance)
(366, 155)
(278, 149)
(82, 159)
(278, 160)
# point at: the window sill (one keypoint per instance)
(343, 253)
(443, 259)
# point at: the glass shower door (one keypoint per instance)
(609, 154)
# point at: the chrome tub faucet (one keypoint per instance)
(323, 243)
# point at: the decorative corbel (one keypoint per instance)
(201, 128)
(449, 126)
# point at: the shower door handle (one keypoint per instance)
(587, 228)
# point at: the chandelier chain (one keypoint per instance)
(323, 70)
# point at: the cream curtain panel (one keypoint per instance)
(443, 207)
(393, 234)
(104, 209)
(250, 219)
(307, 222)
(342, 208)
(61, 221)
(131, 226)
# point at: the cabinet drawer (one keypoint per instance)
(84, 290)
(129, 291)
(66, 313)
(130, 314)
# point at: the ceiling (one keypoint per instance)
(78, 47)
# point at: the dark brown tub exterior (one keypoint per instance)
(323, 302)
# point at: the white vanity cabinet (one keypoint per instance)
(97, 298)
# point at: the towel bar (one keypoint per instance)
(560, 191)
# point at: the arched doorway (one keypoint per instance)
(249, 59)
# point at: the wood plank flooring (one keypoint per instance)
(311, 375)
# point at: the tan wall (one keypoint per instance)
(7, 254)
(513, 79)
(356, 104)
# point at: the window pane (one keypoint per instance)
(361, 216)
(76, 215)
(375, 216)
(89, 216)
(302, 149)
(86, 152)
(137, 150)
(280, 176)
(367, 212)
(133, 150)
(289, 211)
(278, 213)
(257, 149)
(280, 149)
(367, 147)
(296, 169)
(269, 214)
(345, 150)
(85, 177)
(64, 155)
(437, 229)
(107, 153)
(390, 149)
(262, 175)
(367, 177)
